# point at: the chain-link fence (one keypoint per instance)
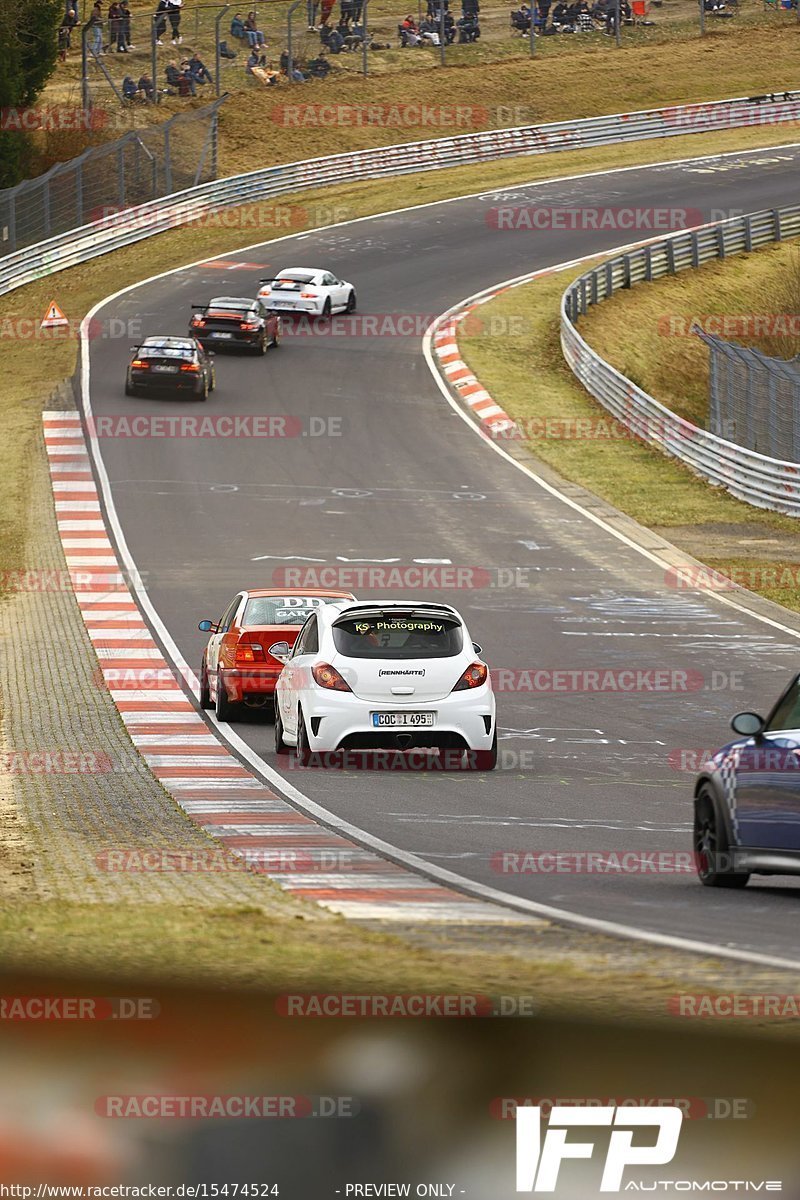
(754, 400)
(143, 165)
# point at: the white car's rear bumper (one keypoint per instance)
(293, 306)
(337, 720)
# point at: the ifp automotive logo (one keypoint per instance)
(539, 1159)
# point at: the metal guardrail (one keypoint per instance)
(122, 229)
(759, 480)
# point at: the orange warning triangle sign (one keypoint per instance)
(54, 316)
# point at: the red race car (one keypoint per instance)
(237, 667)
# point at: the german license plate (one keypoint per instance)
(382, 719)
(165, 369)
(221, 335)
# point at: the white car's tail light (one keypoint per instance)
(475, 675)
(328, 677)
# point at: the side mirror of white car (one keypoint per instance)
(281, 651)
(478, 649)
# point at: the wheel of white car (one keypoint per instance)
(302, 750)
(351, 301)
(280, 745)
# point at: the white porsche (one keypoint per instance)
(307, 290)
(385, 675)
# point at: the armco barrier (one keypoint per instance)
(131, 225)
(765, 482)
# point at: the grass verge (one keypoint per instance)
(565, 972)
(644, 332)
(761, 549)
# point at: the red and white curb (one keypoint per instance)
(209, 783)
(468, 387)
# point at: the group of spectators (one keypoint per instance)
(439, 22)
(182, 79)
(349, 33)
(578, 16)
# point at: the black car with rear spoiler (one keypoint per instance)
(235, 321)
(170, 364)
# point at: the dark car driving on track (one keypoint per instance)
(170, 364)
(747, 799)
(236, 321)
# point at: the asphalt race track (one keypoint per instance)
(408, 480)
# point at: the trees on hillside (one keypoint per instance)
(28, 48)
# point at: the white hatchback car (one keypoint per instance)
(307, 290)
(385, 675)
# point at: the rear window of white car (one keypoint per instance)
(389, 636)
(281, 610)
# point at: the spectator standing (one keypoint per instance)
(70, 20)
(94, 29)
(174, 14)
(63, 42)
(346, 13)
(326, 9)
(125, 25)
(160, 21)
(113, 24)
(311, 8)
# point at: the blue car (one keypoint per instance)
(747, 799)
